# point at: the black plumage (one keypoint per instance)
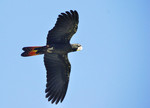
(65, 27)
(55, 53)
(58, 72)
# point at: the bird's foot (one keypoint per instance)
(49, 50)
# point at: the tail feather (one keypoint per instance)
(32, 51)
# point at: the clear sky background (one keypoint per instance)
(112, 70)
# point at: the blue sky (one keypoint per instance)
(112, 70)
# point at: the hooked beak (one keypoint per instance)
(79, 48)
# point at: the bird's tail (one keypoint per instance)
(34, 50)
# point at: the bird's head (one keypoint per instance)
(76, 47)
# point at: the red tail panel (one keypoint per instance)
(32, 51)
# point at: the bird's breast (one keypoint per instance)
(59, 48)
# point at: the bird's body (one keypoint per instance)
(56, 55)
(60, 48)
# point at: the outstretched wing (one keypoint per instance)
(58, 71)
(65, 27)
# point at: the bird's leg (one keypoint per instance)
(49, 50)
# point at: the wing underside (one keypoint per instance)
(66, 25)
(58, 71)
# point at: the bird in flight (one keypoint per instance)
(55, 53)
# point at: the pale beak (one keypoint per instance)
(79, 48)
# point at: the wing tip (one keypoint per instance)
(73, 14)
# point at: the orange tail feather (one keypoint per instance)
(32, 51)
